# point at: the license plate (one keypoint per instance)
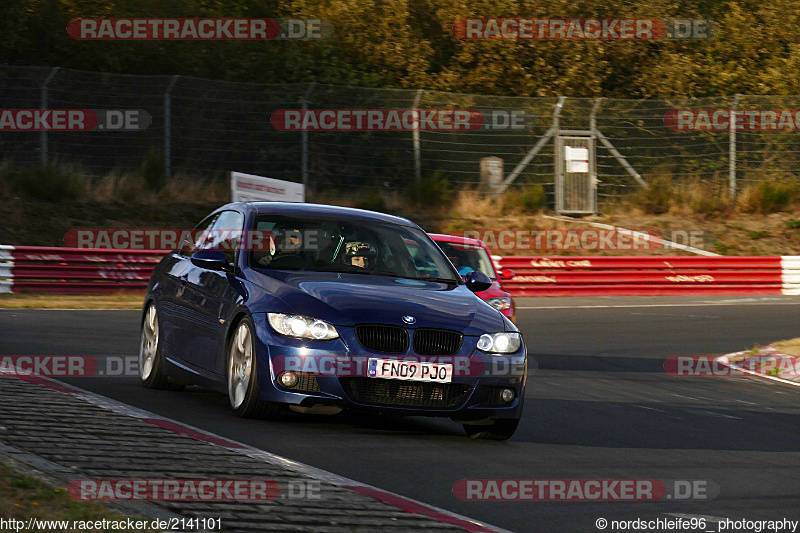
(410, 370)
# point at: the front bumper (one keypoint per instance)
(340, 377)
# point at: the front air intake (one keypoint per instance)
(382, 338)
(437, 342)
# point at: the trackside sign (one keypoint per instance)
(252, 188)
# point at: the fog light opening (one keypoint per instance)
(288, 379)
(507, 395)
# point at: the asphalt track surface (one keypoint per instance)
(598, 406)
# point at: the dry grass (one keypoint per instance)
(725, 233)
(474, 203)
(61, 182)
(129, 300)
(187, 189)
(130, 187)
(710, 197)
(764, 220)
(470, 203)
(789, 347)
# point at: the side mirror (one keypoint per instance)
(477, 281)
(211, 260)
(507, 274)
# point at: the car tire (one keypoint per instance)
(501, 429)
(242, 375)
(151, 363)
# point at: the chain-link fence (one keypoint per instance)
(207, 128)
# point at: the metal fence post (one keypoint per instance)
(593, 128)
(168, 128)
(43, 105)
(551, 132)
(304, 137)
(416, 139)
(732, 150)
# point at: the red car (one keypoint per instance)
(472, 254)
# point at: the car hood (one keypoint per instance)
(350, 299)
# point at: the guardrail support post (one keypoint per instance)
(732, 150)
(43, 105)
(304, 137)
(593, 129)
(168, 128)
(416, 139)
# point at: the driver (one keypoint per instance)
(360, 254)
(281, 242)
(292, 241)
(463, 270)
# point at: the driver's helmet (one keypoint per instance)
(358, 249)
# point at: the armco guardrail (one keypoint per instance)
(651, 275)
(81, 270)
(75, 270)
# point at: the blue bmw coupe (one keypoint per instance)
(320, 308)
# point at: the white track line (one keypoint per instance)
(723, 360)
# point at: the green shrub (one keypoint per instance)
(372, 201)
(776, 195)
(529, 199)
(433, 191)
(769, 195)
(657, 199)
(153, 170)
(6, 181)
(50, 182)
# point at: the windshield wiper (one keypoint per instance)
(376, 272)
(396, 275)
(347, 269)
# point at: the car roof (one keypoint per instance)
(457, 239)
(300, 208)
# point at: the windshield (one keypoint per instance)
(326, 244)
(467, 258)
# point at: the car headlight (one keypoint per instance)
(500, 303)
(302, 327)
(503, 342)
